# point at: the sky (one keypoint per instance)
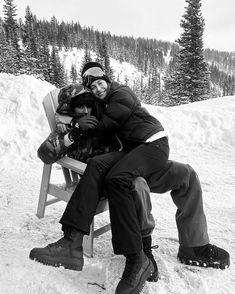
(149, 18)
(204, 124)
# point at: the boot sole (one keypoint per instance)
(219, 264)
(72, 264)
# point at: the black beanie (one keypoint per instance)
(82, 99)
(91, 64)
(91, 72)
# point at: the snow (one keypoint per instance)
(201, 134)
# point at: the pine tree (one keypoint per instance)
(103, 56)
(154, 87)
(63, 37)
(28, 63)
(73, 74)
(7, 54)
(54, 27)
(3, 48)
(87, 56)
(44, 59)
(189, 80)
(10, 24)
(29, 35)
(11, 29)
(58, 77)
(62, 79)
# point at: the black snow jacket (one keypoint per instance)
(125, 116)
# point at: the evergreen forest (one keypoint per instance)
(31, 46)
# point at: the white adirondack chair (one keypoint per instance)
(72, 170)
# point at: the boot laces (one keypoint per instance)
(212, 251)
(148, 250)
(63, 242)
(207, 251)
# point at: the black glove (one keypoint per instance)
(85, 122)
(74, 134)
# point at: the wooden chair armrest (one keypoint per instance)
(75, 165)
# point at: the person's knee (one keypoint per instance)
(191, 170)
(94, 162)
(181, 172)
(188, 173)
(112, 182)
(139, 185)
(117, 182)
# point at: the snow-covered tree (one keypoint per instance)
(7, 54)
(87, 56)
(29, 34)
(57, 75)
(12, 34)
(74, 74)
(10, 23)
(189, 80)
(44, 59)
(103, 56)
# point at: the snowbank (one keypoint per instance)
(22, 118)
(204, 124)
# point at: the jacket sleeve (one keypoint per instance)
(119, 108)
(53, 148)
(62, 122)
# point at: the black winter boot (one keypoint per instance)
(138, 268)
(147, 247)
(66, 252)
(204, 256)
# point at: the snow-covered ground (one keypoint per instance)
(201, 134)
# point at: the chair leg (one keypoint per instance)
(88, 242)
(75, 177)
(67, 176)
(46, 174)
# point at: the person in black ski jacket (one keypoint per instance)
(146, 141)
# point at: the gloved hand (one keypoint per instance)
(85, 122)
(74, 134)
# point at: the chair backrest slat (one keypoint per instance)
(50, 103)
